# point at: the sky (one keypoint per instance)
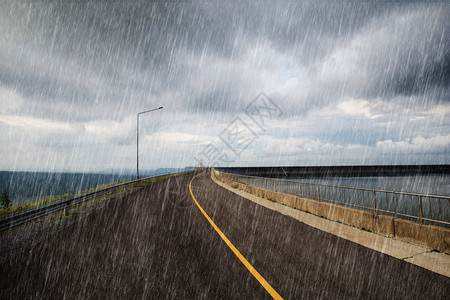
(251, 83)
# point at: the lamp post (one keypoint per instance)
(137, 137)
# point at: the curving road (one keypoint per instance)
(156, 243)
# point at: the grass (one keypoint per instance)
(49, 199)
(218, 178)
(19, 207)
(271, 199)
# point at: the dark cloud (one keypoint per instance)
(116, 55)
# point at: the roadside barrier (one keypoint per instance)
(422, 208)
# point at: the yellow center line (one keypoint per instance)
(252, 270)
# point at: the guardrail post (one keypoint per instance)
(374, 202)
(318, 193)
(66, 209)
(395, 199)
(420, 210)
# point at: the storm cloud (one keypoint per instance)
(364, 75)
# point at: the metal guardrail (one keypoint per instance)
(423, 208)
(15, 219)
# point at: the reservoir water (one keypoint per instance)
(24, 187)
(433, 184)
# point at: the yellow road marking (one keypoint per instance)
(252, 270)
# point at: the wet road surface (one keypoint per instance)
(155, 243)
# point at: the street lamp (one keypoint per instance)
(137, 138)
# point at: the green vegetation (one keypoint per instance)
(24, 206)
(234, 186)
(215, 175)
(5, 201)
(271, 199)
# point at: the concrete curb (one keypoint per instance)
(412, 253)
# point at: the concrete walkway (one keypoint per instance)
(415, 254)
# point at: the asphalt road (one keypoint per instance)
(155, 243)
